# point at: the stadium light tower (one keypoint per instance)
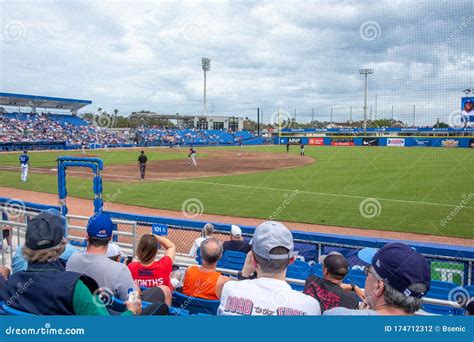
(365, 72)
(206, 66)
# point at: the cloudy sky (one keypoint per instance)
(292, 55)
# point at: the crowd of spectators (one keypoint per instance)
(54, 278)
(45, 127)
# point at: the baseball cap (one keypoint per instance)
(235, 230)
(269, 235)
(335, 263)
(399, 266)
(44, 231)
(113, 250)
(100, 226)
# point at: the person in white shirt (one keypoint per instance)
(269, 294)
(206, 232)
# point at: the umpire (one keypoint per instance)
(142, 159)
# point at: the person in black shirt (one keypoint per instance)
(328, 291)
(236, 242)
(142, 159)
(288, 147)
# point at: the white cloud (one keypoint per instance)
(297, 54)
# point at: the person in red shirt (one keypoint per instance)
(152, 273)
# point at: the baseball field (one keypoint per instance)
(417, 190)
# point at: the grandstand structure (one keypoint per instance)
(26, 123)
(202, 122)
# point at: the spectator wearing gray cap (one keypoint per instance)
(236, 242)
(269, 294)
(397, 279)
(206, 232)
(329, 290)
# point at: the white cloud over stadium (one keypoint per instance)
(294, 55)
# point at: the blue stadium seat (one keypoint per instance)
(356, 277)
(195, 305)
(298, 270)
(232, 260)
(470, 290)
(317, 270)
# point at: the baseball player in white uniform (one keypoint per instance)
(25, 165)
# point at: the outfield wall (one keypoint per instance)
(463, 142)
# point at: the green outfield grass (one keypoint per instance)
(415, 189)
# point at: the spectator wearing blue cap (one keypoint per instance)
(112, 276)
(397, 279)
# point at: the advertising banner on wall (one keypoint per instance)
(342, 142)
(370, 142)
(449, 143)
(395, 142)
(294, 140)
(421, 142)
(316, 141)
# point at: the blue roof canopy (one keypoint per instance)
(22, 100)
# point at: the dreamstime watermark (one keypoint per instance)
(370, 30)
(14, 208)
(46, 330)
(288, 199)
(103, 296)
(459, 295)
(457, 209)
(192, 208)
(101, 120)
(280, 297)
(454, 35)
(14, 30)
(193, 31)
(281, 118)
(370, 208)
(20, 290)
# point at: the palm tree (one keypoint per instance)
(99, 110)
(115, 113)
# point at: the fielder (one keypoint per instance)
(25, 165)
(301, 149)
(192, 156)
(83, 147)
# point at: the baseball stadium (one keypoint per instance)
(266, 210)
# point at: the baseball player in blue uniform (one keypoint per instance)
(25, 165)
(192, 156)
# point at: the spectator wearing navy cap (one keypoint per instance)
(397, 279)
(46, 288)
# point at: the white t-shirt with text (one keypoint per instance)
(265, 297)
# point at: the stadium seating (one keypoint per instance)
(317, 270)
(232, 260)
(195, 305)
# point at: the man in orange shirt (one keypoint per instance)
(204, 281)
